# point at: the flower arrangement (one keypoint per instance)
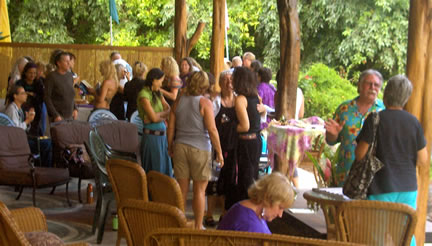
(327, 170)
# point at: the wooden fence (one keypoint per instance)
(88, 57)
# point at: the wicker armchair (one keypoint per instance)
(164, 189)
(128, 181)
(376, 222)
(139, 218)
(16, 223)
(193, 237)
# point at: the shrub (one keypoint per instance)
(324, 89)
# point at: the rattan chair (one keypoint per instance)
(15, 223)
(376, 222)
(139, 218)
(193, 237)
(128, 181)
(164, 189)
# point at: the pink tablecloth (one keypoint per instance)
(291, 141)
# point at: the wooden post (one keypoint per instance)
(289, 66)
(217, 42)
(419, 71)
(289, 58)
(183, 46)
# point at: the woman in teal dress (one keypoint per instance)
(154, 110)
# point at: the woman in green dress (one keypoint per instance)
(154, 110)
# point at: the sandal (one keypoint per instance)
(209, 221)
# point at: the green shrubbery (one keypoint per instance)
(324, 89)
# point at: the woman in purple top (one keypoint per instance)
(266, 91)
(268, 197)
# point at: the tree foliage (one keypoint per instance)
(352, 35)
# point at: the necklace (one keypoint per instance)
(228, 102)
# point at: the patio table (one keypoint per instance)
(328, 199)
(289, 142)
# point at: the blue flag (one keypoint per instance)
(113, 10)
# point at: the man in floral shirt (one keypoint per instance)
(349, 118)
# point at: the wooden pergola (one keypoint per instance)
(419, 69)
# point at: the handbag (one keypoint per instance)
(363, 171)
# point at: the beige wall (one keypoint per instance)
(88, 57)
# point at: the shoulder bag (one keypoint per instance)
(363, 171)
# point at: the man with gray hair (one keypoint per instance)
(117, 59)
(349, 118)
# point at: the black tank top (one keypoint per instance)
(226, 124)
(254, 116)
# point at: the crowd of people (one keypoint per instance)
(185, 121)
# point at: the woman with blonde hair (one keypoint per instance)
(109, 85)
(133, 87)
(172, 82)
(268, 198)
(192, 123)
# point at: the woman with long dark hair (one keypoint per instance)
(154, 110)
(35, 94)
(248, 129)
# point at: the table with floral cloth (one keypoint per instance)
(290, 141)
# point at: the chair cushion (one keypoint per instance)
(14, 148)
(120, 135)
(40, 238)
(48, 175)
(16, 176)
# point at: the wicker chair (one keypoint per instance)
(17, 169)
(139, 218)
(193, 237)
(128, 181)
(16, 223)
(164, 189)
(376, 222)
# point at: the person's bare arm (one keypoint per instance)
(423, 166)
(100, 99)
(166, 109)
(301, 111)
(361, 150)
(148, 109)
(241, 112)
(172, 95)
(209, 122)
(171, 130)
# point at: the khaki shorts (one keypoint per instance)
(190, 162)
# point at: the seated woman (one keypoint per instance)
(35, 94)
(16, 97)
(268, 197)
(109, 85)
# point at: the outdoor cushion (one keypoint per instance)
(39, 238)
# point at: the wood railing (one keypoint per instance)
(87, 61)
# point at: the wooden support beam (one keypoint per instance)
(183, 46)
(217, 42)
(289, 58)
(419, 71)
